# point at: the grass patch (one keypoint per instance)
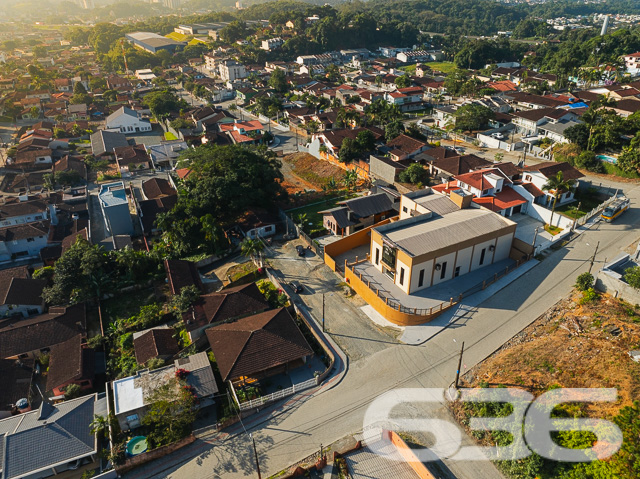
(611, 169)
(123, 305)
(313, 220)
(552, 230)
(444, 67)
(586, 201)
(170, 136)
(409, 69)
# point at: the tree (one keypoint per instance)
(171, 412)
(584, 282)
(72, 282)
(413, 174)
(366, 140)
(632, 276)
(181, 302)
(557, 185)
(472, 117)
(629, 160)
(403, 81)
(578, 134)
(98, 425)
(393, 129)
(251, 248)
(414, 131)
(278, 81)
(72, 391)
(163, 102)
(350, 179)
(348, 150)
(587, 160)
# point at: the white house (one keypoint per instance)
(272, 43)
(528, 122)
(231, 70)
(632, 63)
(539, 175)
(127, 121)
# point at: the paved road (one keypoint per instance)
(379, 364)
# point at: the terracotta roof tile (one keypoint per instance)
(154, 343)
(70, 361)
(251, 345)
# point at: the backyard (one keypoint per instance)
(585, 200)
(124, 305)
(310, 218)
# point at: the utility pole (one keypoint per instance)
(459, 365)
(255, 451)
(576, 218)
(593, 258)
(322, 317)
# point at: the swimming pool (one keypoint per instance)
(608, 159)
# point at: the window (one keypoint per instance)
(484, 250)
(30, 240)
(389, 255)
(443, 271)
(268, 229)
(401, 276)
(377, 256)
(404, 209)
(39, 217)
(457, 273)
(23, 356)
(421, 278)
(527, 178)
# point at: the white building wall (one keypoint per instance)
(503, 247)
(477, 254)
(407, 273)
(450, 268)
(464, 260)
(427, 266)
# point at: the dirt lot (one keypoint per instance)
(572, 345)
(312, 171)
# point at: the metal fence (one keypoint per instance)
(275, 396)
(583, 219)
(382, 293)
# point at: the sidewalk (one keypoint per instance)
(455, 317)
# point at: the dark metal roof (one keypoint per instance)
(369, 205)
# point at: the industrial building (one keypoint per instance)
(152, 42)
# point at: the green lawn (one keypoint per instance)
(444, 67)
(313, 222)
(170, 136)
(586, 201)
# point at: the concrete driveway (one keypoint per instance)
(526, 230)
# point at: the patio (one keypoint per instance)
(436, 295)
(296, 376)
(527, 227)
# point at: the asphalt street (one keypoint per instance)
(378, 363)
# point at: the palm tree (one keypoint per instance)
(251, 248)
(350, 179)
(557, 185)
(98, 425)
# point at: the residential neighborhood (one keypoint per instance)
(229, 233)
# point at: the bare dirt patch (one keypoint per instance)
(572, 345)
(316, 172)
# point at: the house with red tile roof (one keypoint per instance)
(243, 132)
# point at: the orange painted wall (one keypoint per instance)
(359, 238)
(408, 455)
(390, 314)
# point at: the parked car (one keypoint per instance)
(296, 287)
(301, 250)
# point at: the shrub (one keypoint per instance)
(632, 276)
(589, 296)
(72, 391)
(584, 282)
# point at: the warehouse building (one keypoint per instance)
(152, 42)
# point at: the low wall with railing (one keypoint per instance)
(392, 310)
(359, 238)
